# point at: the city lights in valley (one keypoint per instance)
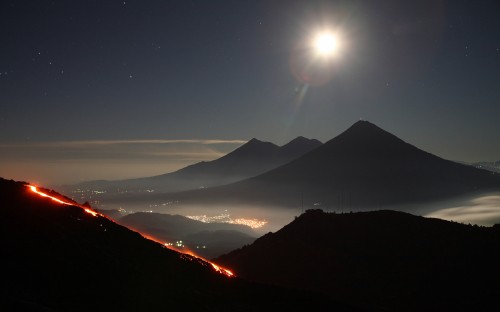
(225, 218)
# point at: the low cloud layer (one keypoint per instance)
(483, 210)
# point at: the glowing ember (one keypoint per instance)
(184, 253)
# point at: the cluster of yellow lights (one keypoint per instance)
(224, 218)
(253, 223)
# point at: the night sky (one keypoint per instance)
(115, 89)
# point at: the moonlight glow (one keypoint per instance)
(325, 44)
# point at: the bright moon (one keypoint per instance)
(325, 44)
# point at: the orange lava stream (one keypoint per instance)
(35, 190)
(221, 270)
(217, 268)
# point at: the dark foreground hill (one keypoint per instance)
(253, 158)
(60, 258)
(209, 240)
(386, 259)
(365, 167)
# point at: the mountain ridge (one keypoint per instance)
(364, 165)
(387, 259)
(250, 159)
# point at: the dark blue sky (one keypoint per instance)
(427, 71)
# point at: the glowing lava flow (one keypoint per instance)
(35, 190)
(221, 270)
(217, 268)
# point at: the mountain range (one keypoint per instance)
(389, 260)
(253, 158)
(60, 257)
(363, 167)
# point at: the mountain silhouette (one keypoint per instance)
(60, 258)
(362, 167)
(251, 159)
(296, 148)
(385, 259)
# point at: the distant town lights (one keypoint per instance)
(225, 218)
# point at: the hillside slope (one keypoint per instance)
(388, 259)
(60, 258)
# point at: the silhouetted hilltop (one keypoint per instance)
(248, 160)
(59, 258)
(297, 147)
(253, 149)
(386, 259)
(364, 166)
(251, 159)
